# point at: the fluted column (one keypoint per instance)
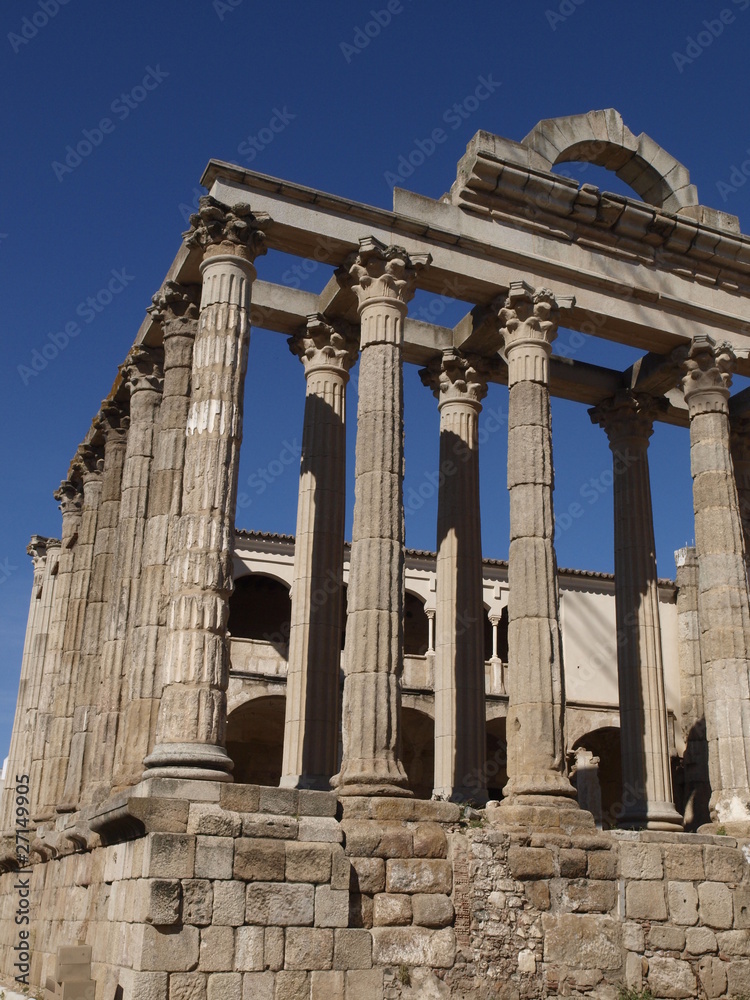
(175, 309)
(459, 384)
(646, 775)
(142, 377)
(192, 714)
(312, 687)
(53, 727)
(722, 590)
(536, 706)
(383, 279)
(740, 448)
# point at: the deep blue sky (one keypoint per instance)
(224, 71)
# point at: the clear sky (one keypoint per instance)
(303, 92)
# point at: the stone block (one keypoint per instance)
(723, 864)
(214, 857)
(352, 949)
(700, 941)
(185, 986)
(217, 949)
(228, 904)
(224, 986)
(331, 907)
(418, 875)
(267, 826)
(573, 863)
(368, 874)
(715, 905)
(259, 860)
(279, 801)
(664, 937)
(531, 862)
(432, 910)
(313, 803)
(258, 986)
(683, 903)
(158, 949)
(640, 861)
(169, 855)
(633, 938)
(320, 830)
(712, 973)
(360, 910)
(292, 986)
(734, 943)
(670, 977)
(537, 894)
(645, 901)
(738, 979)
(308, 862)
(602, 865)
(741, 899)
(273, 948)
(210, 819)
(341, 869)
(164, 899)
(589, 896)
(367, 839)
(240, 798)
(308, 948)
(366, 984)
(595, 941)
(280, 904)
(430, 841)
(197, 902)
(391, 910)
(327, 986)
(633, 971)
(249, 949)
(684, 863)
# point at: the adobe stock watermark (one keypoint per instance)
(379, 19)
(254, 144)
(121, 107)
(32, 24)
(738, 177)
(6, 570)
(224, 7)
(22, 886)
(565, 10)
(454, 116)
(712, 29)
(186, 210)
(87, 310)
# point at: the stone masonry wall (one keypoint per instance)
(273, 894)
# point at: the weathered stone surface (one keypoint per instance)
(217, 949)
(292, 986)
(352, 949)
(589, 896)
(683, 903)
(391, 910)
(259, 986)
(713, 976)
(734, 942)
(700, 941)
(249, 949)
(633, 937)
(538, 895)
(368, 874)
(738, 977)
(364, 985)
(308, 948)
(307, 862)
(166, 950)
(228, 904)
(572, 863)
(224, 986)
(645, 901)
(531, 862)
(331, 907)
(666, 938)
(595, 941)
(320, 829)
(187, 986)
(429, 841)
(413, 946)
(432, 910)
(723, 864)
(684, 863)
(210, 819)
(169, 855)
(417, 875)
(327, 986)
(641, 861)
(602, 865)
(741, 899)
(259, 860)
(715, 904)
(165, 897)
(670, 977)
(280, 904)
(214, 857)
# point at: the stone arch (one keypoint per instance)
(416, 626)
(255, 740)
(418, 750)
(260, 608)
(602, 138)
(603, 746)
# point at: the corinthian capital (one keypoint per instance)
(89, 461)
(528, 315)
(143, 369)
(377, 271)
(217, 228)
(176, 307)
(69, 497)
(113, 420)
(37, 549)
(628, 416)
(707, 368)
(456, 377)
(323, 344)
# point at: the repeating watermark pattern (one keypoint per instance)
(454, 116)
(121, 108)
(22, 886)
(566, 10)
(371, 29)
(6, 570)
(696, 45)
(31, 26)
(87, 310)
(298, 274)
(260, 480)
(224, 7)
(254, 144)
(738, 176)
(186, 210)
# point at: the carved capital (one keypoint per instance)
(69, 496)
(707, 368)
(113, 421)
(628, 416)
(324, 345)
(176, 308)
(90, 462)
(37, 549)
(377, 271)
(528, 316)
(143, 369)
(222, 229)
(456, 377)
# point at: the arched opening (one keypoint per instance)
(416, 626)
(487, 632)
(597, 774)
(418, 751)
(260, 608)
(497, 758)
(255, 740)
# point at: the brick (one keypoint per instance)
(368, 874)
(292, 986)
(391, 910)
(217, 949)
(249, 953)
(432, 910)
(666, 938)
(684, 863)
(700, 941)
(352, 949)
(259, 860)
(645, 901)
(308, 948)
(531, 862)
(670, 977)
(640, 861)
(258, 986)
(572, 863)
(327, 986)
(715, 904)
(214, 857)
(418, 875)
(723, 864)
(197, 902)
(683, 903)
(228, 904)
(280, 904)
(308, 862)
(331, 907)
(224, 986)
(186, 986)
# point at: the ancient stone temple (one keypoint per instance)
(152, 850)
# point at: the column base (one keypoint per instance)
(372, 777)
(651, 816)
(551, 789)
(189, 761)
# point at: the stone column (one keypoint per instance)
(459, 383)
(48, 766)
(383, 279)
(740, 447)
(628, 421)
(175, 309)
(192, 714)
(430, 631)
(536, 706)
(313, 680)
(695, 761)
(722, 590)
